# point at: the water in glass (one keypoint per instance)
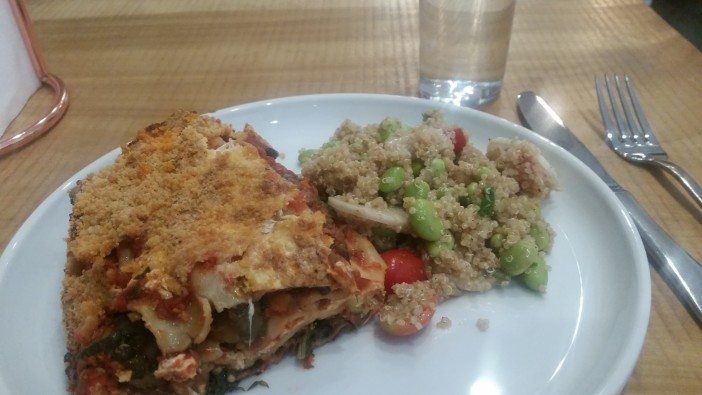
(463, 49)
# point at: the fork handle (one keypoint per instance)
(680, 270)
(684, 177)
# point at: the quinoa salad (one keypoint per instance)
(446, 217)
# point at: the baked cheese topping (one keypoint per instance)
(197, 236)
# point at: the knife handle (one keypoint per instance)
(681, 271)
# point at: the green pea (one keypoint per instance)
(331, 144)
(387, 128)
(482, 172)
(536, 276)
(496, 241)
(487, 204)
(517, 258)
(438, 167)
(541, 237)
(305, 154)
(425, 222)
(417, 189)
(392, 179)
(417, 166)
(445, 243)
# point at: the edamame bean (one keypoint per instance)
(496, 241)
(445, 243)
(417, 167)
(517, 258)
(536, 276)
(425, 222)
(417, 189)
(541, 237)
(472, 189)
(387, 128)
(305, 154)
(392, 179)
(438, 167)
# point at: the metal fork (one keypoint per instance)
(632, 137)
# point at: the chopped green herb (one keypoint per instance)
(487, 204)
(464, 200)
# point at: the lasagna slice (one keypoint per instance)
(197, 260)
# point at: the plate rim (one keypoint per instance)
(622, 369)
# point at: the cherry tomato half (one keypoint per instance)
(459, 140)
(402, 267)
(396, 329)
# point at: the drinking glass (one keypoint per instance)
(463, 49)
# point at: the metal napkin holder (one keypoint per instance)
(60, 98)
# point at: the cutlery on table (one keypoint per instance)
(631, 136)
(681, 271)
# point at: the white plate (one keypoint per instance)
(583, 336)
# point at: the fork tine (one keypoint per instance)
(646, 128)
(623, 128)
(624, 100)
(604, 112)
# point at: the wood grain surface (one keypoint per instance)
(128, 64)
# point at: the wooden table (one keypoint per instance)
(128, 64)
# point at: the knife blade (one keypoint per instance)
(680, 270)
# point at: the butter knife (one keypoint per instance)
(680, 270)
